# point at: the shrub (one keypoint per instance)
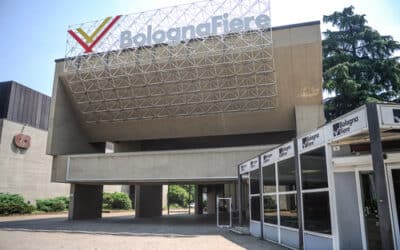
(50, 205)
(178, 195)
(65, 200)
(116, 200)
(14, 204)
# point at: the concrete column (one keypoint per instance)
(148, 200)
(164, 196)
(197, 199)
(211, 199)
(85, 202)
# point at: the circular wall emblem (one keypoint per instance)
(22, 141)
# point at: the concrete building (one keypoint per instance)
(201, 149)
(27, 170)
(186, 112)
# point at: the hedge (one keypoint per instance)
(14, 204)
(52, 205)
(116, 200)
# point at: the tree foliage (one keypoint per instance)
(116, 200)
(359, 65)
(178, 195)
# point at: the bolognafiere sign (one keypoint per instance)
(202, 58)
(168, 26)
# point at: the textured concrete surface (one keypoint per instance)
(26, 172)
(122, 232)
(207, 165)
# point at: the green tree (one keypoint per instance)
(359, 64)
(178, 195)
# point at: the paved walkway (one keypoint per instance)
(122, 231)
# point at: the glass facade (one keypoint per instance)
(255, 208)
(286, 175)
(255, 182)
(269, 179)
(270, 209)
(317, 217)
(313, 169)
(288, 210)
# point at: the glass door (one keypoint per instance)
(370, 208)
(394, 184)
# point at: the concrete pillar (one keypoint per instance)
(132, 195)
(197, 199)
(85, 202)
(211, 199)
(148, 200)
(164, 196)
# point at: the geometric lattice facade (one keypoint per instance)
(219, 73)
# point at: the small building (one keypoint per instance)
(24, 166)
(337, 187)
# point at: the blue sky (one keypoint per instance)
(33, 33)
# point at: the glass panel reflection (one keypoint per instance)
(269, 179)
(287, 175)
(313, 169)
(255, 208)
(288, 210)
(317, 217)
(255, 182)
(270, 209)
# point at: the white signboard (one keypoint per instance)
(311, 140)
(350, 124)
(249, 166)
(390, 115)
(285, 151)
(269, 157)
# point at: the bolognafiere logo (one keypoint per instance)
(95, 36)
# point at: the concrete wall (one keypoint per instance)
(66, 135)
(308, 118)
(27, 172)
(183, 166)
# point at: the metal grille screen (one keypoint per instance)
(214, 73)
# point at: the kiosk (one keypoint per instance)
(337, 187)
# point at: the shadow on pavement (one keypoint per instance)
(166, 226)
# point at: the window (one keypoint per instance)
(269, 179)
(288, 210)
(255, 208)
(255, 182)
(313, 169)
(317, 216)
(270, 209)
(287, 175)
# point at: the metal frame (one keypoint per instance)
(378, 166)
(222, 73)
(230, 211)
